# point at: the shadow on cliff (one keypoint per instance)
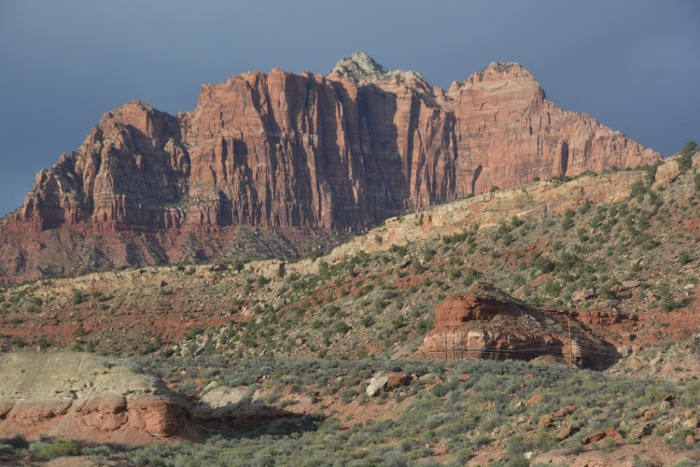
(374, 146)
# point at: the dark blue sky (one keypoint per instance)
(634, 65)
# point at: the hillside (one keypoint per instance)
(374, 351)
(616, 254)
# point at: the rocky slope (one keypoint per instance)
(621, 267)
(344, 151)
(87, 398)
(614, 252)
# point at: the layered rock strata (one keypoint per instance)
(343, 151)
(87, 398)
(489, 324)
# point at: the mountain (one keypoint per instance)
(344, 152)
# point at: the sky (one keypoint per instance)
(633, 65)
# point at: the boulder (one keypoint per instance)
(545, 421)
(641, 430)
(691, 423)
(377, 383)
(565, 432)
(88, 398)
(536, 399)
(610, 433)
(564, 412)
(397, 380)
(387, 381)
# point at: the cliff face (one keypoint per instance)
(343, 151)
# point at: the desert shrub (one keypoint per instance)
(494, 421)
(567, 222)
(470, 276)
(544, 265)
(60, 447)
(666, 303)
(638, 189)
(606, 289)
(552, 288)
(16, 442)
(456, 238)
(262, 281)
(507, 239)
(684, 258)
(692, 393)
(424, 326)
(78, 297)
(399, 250)
(685, 160)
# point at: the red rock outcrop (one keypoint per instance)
(343, 151)
(87, 398)
(489, 324)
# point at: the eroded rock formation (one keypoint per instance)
(347, 150)
(490, 324)
(87, 398)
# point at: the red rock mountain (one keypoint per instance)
(343, 151)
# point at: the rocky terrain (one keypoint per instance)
(523, 286)
(88, 398)
(344, 151)
(584, 249)
(383, 330)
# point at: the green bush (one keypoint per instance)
(60, 447)
(78, 297)
(568, 221)
(684, 258)
(685, 161)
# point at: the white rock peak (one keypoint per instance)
(361, 66)
(359, 63)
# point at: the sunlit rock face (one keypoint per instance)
(344, 151)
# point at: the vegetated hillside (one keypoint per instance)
(313, 412)
(343, 152)
(627, 270)
(64, 253)
(243, 341)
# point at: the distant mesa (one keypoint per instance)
(345, 152)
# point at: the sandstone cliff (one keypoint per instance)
(493, 325)
(343, 151)
(87, 398)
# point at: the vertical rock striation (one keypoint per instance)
(343, 151)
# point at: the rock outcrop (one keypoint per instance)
(490, 324)
(343, 151)
(87, 398)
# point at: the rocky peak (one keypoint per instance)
(361, 67)
(499, 71)
(359, 64)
